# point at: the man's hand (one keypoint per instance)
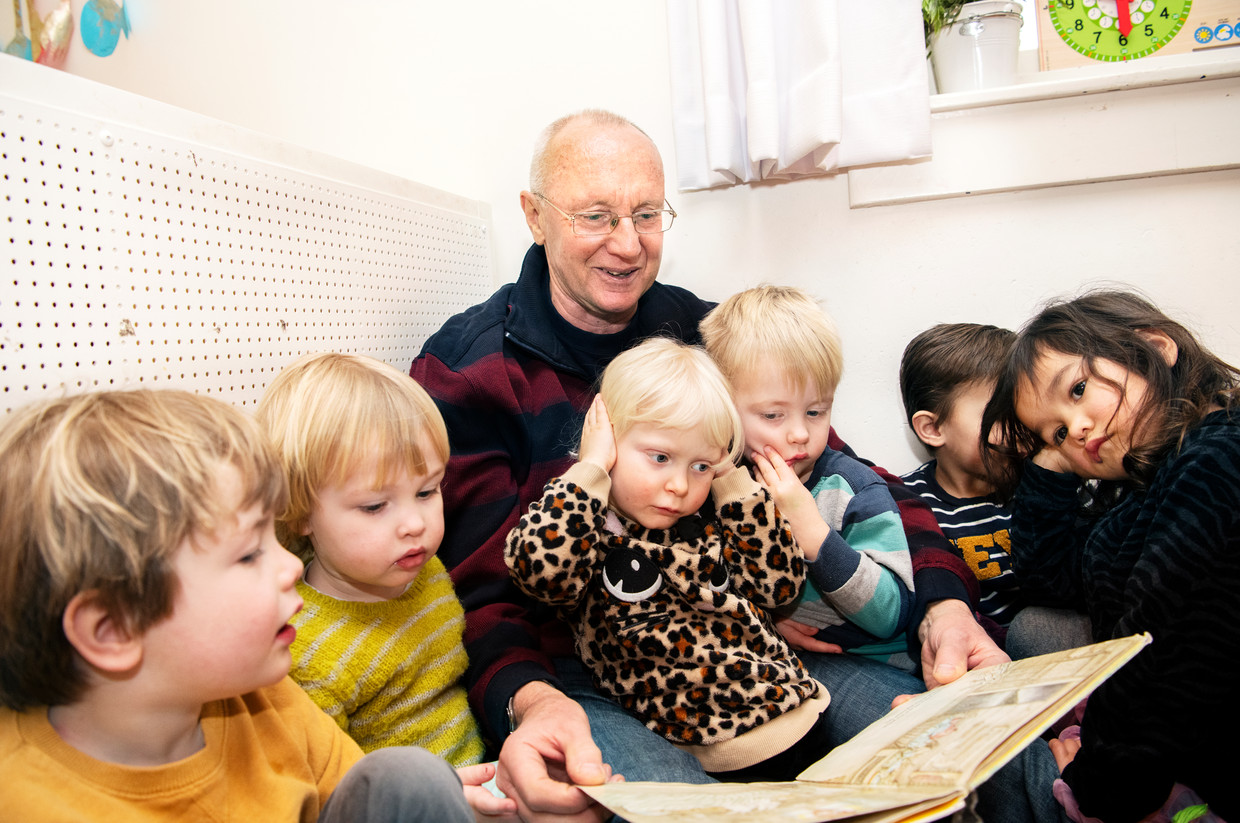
(800, 636)
(953, 643)
(487, 807)
(549, 752)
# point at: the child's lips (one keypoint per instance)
(412, 560)
(1094, 446)
(288, 632)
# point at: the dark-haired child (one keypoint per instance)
(1106, 396)
(947, 374)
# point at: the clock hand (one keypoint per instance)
(1124, 18)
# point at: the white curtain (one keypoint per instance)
(779, 89)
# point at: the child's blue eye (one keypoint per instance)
(658, 457)
(701, 468)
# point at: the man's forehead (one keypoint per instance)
(596, 163)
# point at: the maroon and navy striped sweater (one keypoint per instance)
(513, 381)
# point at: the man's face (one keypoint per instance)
(597, 281)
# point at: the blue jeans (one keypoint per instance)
(1042, 629)
(861, 692)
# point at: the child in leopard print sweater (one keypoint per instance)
(667, 561)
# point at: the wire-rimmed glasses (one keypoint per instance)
(598, 223)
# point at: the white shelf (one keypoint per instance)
(1169, 115)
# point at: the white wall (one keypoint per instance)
(453, 94)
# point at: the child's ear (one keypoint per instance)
(926, 427)
(1162, 343)
(101, 640)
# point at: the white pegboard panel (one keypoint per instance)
(149, 246)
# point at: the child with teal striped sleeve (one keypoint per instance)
(379, 642)
(782, 355)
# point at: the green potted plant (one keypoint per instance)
(937, 14)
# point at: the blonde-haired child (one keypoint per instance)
(144, 630)
(666, 561)
(782, 355)
(379, 644)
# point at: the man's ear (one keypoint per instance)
(101, 640)
(926, 427)
(1162, 343)
(531, 207)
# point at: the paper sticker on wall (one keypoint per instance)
(19, 46)
(40, 35)
(102, 23)
(53, 34)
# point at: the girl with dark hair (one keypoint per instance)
(1128, 506)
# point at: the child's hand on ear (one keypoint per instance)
(598, 440)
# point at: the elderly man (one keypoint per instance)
(513, 377)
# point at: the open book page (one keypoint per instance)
(791, 802)
(944, 737)
(917, 762)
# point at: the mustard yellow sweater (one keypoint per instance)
(268, 755)
(389, 673)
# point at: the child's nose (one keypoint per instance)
(412, 522)
(677, 483)
(290, 569)
(1080, 427)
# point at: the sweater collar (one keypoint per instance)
(535, 325)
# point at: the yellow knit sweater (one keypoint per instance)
(267, 755)
(389, 672)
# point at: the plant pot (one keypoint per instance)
(980, 50)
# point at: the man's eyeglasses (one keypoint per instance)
(597, 223)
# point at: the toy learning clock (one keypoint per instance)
(1113, 30)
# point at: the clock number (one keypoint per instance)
(1136, 35)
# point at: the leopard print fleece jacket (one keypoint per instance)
(674, 624)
